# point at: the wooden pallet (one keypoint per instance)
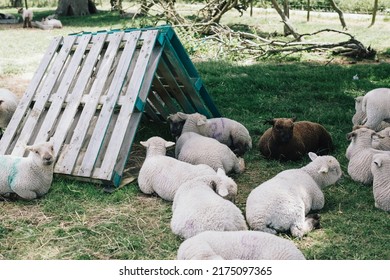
(90, 91)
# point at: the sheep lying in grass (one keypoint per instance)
(359, 117)
(29, 177)
(290, 140)
(198, 206)
(27, 16)
(376, 105)
(227, 131)
(380, 168)
(382, 141)
(8, 104)
(163, 175)
(283, 202)
(238, 245)
(197, 149)
(55, 23)
(359, 153)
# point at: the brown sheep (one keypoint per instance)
(290, 140)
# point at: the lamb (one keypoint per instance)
(55, 23)
(382, 142)
(163, 175)
(360, 116)
(27, 16)
(290, 140)
(29, 177)
(359, 153)
(380, 167)
(198, 206)
(283, 202)
(238, 245)
(376, 105)
(227, 131)
(8, 104)
(197, 149)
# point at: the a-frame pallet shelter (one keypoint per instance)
(90, 91)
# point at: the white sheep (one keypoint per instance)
(27, 16)
(198, 206)
(382, 140)
(283, 202)
(359, 117)
(55, 23)
(359, 153)
(238, 245)
(29, 177)
(197, 149)
(380, 167)
(376, 105)
(227, 131)
(163, 175)
(8, 104)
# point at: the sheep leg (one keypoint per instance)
(311, 222)
(27, 194)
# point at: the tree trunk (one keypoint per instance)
(374, 11)
(286, 10)
(285, 19)
(75, 7)
(340, 12)
(308, 10)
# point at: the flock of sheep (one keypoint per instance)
(196, 180)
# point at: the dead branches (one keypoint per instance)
(242, 43)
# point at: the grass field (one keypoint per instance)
(78, 220)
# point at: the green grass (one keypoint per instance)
(77, 220)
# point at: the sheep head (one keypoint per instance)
(282, 129)
(42, 152)
(176, 123)
(156, 145)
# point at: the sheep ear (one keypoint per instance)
(144, 143)
(271, 121)
(378, 162)
(351, 135)
(221, 172)
(201, 121)
(169, 144)
(312, 156)
(182, 116)
(323, 170)
(223, 192)
(1, 101)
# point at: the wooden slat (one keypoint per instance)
(164, 95)
(78, 90)
(173, 88)
(57, 100)
(27, 98)
(109, 105)
(128, 107)
(43, 96)
(89, 109)
(135, 119)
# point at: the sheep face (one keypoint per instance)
(43, 153)
(361, 132)
(282, 129)
(176, 124)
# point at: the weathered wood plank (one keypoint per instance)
(160, 90)
(78, 90)
(57, 99)
(132, 92)
(134, 121)
(24, 103)
(89, 109)
(109, 105)
(42, 96)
